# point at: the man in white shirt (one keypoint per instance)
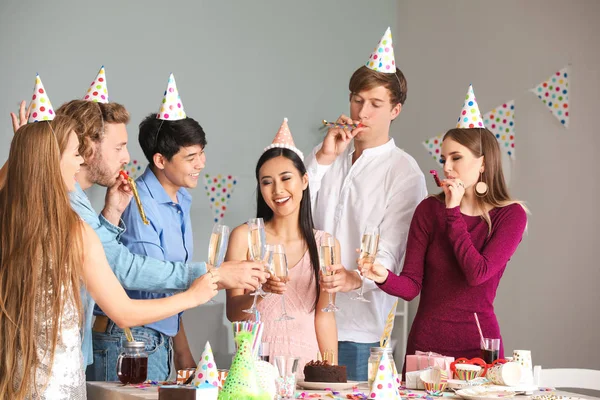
(359, 178)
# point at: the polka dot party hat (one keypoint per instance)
(382, 58)
(284, 140)
(98, 92)
(171, 108)
(470, 116)
(501, 122)
(554, 93)
(41, 108)
(434, 147)
(241, 382)
(206, 372)
(384, 386)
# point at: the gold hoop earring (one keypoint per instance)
(481, 188)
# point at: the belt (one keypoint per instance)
(101, 323)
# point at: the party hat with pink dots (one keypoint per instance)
(41, 108)
(171, 108)
(206, 372)
(385, 385)
(284, 140)
(98, 92)
(470, 116)
(382, 58)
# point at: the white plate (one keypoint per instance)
(326, 385)
(484, 393)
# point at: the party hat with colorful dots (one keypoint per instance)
(470, 116)
(41, 108)
(501, 122)
(206, 372)
(434, 147)
(98, 92)
(171, 108)
(219, 189)
(384, 386)
(283, 139)
(382, 58)
(241, 382)
(554, 93)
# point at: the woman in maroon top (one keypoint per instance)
(458, 246)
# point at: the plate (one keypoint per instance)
(327, 385)
(484, 393)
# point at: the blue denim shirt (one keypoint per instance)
(168, 237)
(134, 271)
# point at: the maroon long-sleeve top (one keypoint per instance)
(456, 265)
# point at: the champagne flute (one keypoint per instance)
(279, 266)
(257, 241)
(368, 252)
(268, 252)
(326, 259)
(217, 246)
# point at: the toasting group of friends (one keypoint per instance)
(73, 278)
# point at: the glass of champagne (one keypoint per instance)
(326, 259)
(257, 242)
(279, 267)
(368, 252)
(267, 255)
(217, 247)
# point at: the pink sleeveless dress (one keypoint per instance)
(297, 337)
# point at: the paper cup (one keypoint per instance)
(434, 380)
(466, 372)
(508, 374)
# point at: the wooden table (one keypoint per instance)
(116, 391)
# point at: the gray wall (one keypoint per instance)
(548, 298)
(241, 67)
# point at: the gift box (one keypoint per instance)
(422, 360)
(184, 374)
(413, 380)
(188, 392)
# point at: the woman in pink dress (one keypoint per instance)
(283, 201)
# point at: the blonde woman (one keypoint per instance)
(47, 255)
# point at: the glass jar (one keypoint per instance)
(375, 357)
(132, 364)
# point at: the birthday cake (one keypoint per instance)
(322, 371)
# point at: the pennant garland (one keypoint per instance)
(434, 147)
(133, 168)
(554, 93)
(501, 122)
(219, 189)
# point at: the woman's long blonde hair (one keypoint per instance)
(40, 253)
(482, 142)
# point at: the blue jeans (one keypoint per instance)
(107, 347)
(355, 356)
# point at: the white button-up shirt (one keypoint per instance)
(382, 188)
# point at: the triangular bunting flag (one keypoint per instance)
(133, 168)
(219, 189)
(554, 93)
(384, 386)
(501, 122)
(434, 147)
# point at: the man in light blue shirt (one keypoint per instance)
(175, 151)
(103, 145)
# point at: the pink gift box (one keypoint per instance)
(422, 360)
